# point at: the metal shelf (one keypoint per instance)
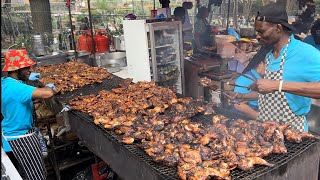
(167, 45)
(63, 145)
(69, 163)
(162, 64)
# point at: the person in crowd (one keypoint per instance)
(179, 13)
(84, 24)
(187, 26)
(254, 70)
(292, 75)
(19, 139)
(314, 38)
(202, 30)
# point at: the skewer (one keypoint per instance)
(244, 75)
(236, 85)
(228, 96)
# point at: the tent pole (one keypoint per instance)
(91, 29)
(228, 14)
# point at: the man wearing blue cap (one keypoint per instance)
(292, 75)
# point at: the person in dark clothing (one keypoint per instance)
(307, 10)
(84, 24)
(179, 12)
(202, 30)
(255, 69)
(314, 38)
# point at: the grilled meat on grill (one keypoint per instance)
(206, 82)
(249, 162)
(125, 83)
(71, 76)
(160, 121)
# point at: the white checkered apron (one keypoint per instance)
(274, 106)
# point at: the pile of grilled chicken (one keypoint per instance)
(159, 123)
(70, 76)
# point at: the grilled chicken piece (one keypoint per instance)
(292, 136)
(125, 83)
(208, 137)
(206, 153)
(306, 135)
(209, 109)
(154, 150)
(101, 120)
(278, 142)
(206, 173)
(189, 155)
(218, 173)
(242, 148)
(249, 162)
(124, 130)
(269, 128)
(185, 100)
(200, 174)
(193, 127)
(185, 169)
(206, 82)
(127, 140)
(219, 119)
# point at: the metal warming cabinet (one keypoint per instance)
(154, 52)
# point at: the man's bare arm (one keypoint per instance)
(248, 96)
(307, 89)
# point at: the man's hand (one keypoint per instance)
(52, 86)
(34, 76)
(265, 86)
(234, 97)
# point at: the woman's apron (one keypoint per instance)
(274, 106)
(26, 150)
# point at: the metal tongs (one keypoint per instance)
(244, 75)
(232, 100)
(65, 109)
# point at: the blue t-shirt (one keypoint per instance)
(309, 39)
(244, 81)
(302, 64)
(16, 108)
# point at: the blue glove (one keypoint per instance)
(52, 87)
(34, 76)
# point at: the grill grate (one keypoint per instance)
(169, 172)
(107, 84)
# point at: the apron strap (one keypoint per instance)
(16, 137)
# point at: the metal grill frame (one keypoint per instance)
(136, 157)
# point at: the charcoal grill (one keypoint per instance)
(131, 162)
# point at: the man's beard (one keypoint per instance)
(317, 40)
(21, 76)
